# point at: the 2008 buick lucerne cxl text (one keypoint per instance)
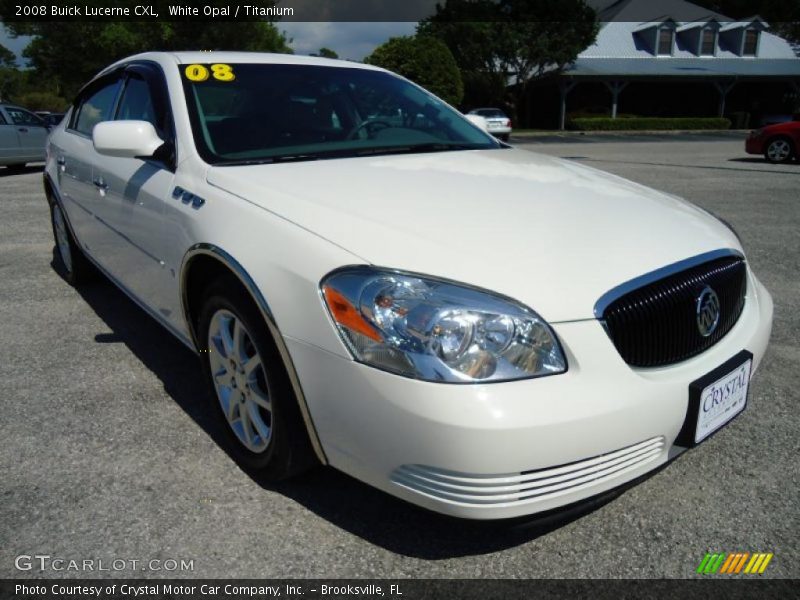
(374, 283)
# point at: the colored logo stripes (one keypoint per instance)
(734, 563)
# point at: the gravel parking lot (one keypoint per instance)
(109, 452)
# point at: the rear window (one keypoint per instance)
(491, 113)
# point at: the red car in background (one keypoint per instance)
(778, 143)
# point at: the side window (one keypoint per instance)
(3, 120)
(96, 107)
(137, 103)
(23, 117)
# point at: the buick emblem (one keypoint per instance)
(707, 311)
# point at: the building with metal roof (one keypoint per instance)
(674, 58)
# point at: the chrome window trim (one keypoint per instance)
(616, 292)
(250, 285)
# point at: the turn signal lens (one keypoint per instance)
(346, 315)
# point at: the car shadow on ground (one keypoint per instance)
(8, 172)
(761, 161)
(347, 503)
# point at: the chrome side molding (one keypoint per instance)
(233, 265)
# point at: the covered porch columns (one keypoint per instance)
(564, 87)
(724, 88)
(615, 87)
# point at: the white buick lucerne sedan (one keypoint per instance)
(374, 283)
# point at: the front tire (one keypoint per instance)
(77, 268)
(779, 151)
(250, 389)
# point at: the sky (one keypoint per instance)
(348, 40)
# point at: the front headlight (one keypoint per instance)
(437, 330)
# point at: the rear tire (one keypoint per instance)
(505, 137)
(779, 151)
(76, 267)
(250, 390)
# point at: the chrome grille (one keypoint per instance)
(656, 324)
(512, 488)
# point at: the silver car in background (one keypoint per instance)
(497, 122)
(22, 136)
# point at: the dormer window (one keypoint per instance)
(708, 45)
(666, 37)
(750, 47)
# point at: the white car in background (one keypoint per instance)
(360, 295)
(497, 122)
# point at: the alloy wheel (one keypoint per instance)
(240, 381)
(779, 150)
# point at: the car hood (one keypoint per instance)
(550, 233)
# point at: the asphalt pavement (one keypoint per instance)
(108, 452)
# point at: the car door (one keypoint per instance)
(32, 132)
(9, 141)
(74, 153)
(132, 192)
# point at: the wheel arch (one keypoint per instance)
(781, 136)
(53, 198)
(202, 264)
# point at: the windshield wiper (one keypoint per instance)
(270, 160)
(421, 148)
(355, 152)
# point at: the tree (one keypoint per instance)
(502, 42)
(424, 60)
(327, 53)
(7, 57)
(10, 77)
(70, 53)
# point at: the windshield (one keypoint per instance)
(251, 113)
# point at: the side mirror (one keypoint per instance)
(126, 139)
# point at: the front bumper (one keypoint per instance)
(476, 451)
(754, 145)
(499, 130)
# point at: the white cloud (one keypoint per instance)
(348, 40)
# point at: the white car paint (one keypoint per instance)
(478, 120)
(551, 234)
(499, 125)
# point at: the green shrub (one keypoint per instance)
(647, 123)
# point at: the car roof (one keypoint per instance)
(189, 57)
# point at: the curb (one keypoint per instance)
(568, 134)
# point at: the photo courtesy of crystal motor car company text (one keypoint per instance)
(373, 281)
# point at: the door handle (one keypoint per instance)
(100, 184)
(23, 129)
